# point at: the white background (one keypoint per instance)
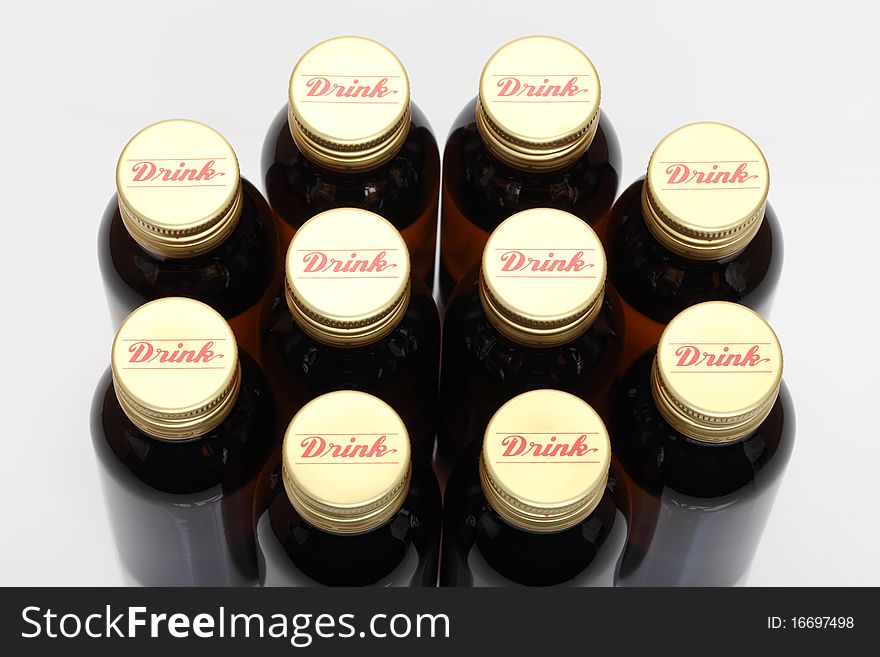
(79, 79)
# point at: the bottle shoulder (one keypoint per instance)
(627, 212)
(256, 206)
(105, 231)
(420, 322)
(421, 124)
(467, 328)
(231, 277)
(660, 283)
(399, 190)
(479, 183)
(657, 456)
(239, 443)
(401, 551)
(255, 225)
(482, 548)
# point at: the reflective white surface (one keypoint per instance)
(77, 84)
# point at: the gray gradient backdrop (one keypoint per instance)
(78, 79)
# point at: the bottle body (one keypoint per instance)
(182, 511)
(401, 368)
(482, 369)
(403, 551)
(655, 284)
(695, 511)
(479, 192)
(404, 191)
(481, 549)
(233, 278)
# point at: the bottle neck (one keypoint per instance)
(533, 332)
(192, 241)
(694, 243)
(705, 426)
(348, 333)
(179, 425)
(344, 157)
(525, 155)
(523, 515)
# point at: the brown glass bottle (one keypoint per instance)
(373, 328)
(510, 518)
(679, 238)
(187, 226)
(179, 483)
(329, 526)
(351, 137)
(529, 140)
(509, 328)
(700, 488)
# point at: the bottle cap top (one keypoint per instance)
(538, 106)
(175, 368)
(348, 277)
(717, 371)
(179, 188)
(349, 104)
(542, 277)
(706, 191)
(346, 462)
(545, 460)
